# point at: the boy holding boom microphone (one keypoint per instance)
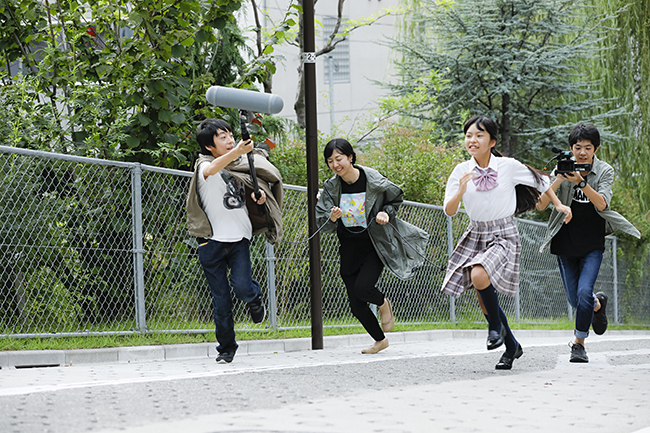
(218, 215)
(579, 245)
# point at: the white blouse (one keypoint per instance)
(499, 202)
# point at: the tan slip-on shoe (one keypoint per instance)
(387, 317)
(376, 347)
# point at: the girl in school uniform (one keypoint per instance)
(493, 189)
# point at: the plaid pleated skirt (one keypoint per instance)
(495, 245)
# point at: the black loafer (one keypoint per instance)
(505, 363)
(496, 339)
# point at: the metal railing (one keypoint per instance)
(90, 246)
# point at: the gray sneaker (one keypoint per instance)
(578, 353)
(225, 357)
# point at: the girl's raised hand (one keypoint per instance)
(464, 179)
(382, 218)
(335, 214)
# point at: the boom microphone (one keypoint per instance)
(241, 99)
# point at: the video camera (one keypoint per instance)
(565, 164)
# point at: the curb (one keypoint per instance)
(57, 358)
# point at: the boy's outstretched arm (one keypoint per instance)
(219, 163)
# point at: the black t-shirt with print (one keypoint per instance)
(354, 238)
(584, 233)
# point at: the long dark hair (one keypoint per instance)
(527, 196)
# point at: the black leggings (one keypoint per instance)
(360, 285)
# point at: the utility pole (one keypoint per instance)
(309, 69)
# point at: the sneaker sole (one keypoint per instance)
(224, 360)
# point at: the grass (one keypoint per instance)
(159, 338)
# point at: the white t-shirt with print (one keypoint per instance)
(224, 202)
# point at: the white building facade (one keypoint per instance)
(356, 62)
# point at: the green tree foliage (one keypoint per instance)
(115, 80)
(634, 254)
(516, 61)
(118, 79)
(623, 72)
(416, 161)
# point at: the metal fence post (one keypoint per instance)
(615, 277)
(138, 249)
(517, 295)
(450, 250)
(517, 307)
(270, 278)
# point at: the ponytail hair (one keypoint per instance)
(527, 196)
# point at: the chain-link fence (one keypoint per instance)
(92, 246)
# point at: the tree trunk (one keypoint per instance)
(268, 81)
(506, 138)
(299, 104)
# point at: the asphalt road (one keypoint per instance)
(442, 384)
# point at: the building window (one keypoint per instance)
(340, 55)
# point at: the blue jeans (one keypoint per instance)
(215, 258)
(579, 275)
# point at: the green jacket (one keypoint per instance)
(600, 178)
(402, 255)
(269, 180)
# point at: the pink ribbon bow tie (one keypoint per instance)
(486, 179)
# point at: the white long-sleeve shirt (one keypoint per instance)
(499, 202)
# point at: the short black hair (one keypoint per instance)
(584, 132)
(207, 130)
(342, 145)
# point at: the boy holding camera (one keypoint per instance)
(579, 245)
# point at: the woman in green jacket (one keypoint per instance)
(361, 205)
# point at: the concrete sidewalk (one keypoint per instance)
(50, 358)
(53, 358)
(425, 381)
